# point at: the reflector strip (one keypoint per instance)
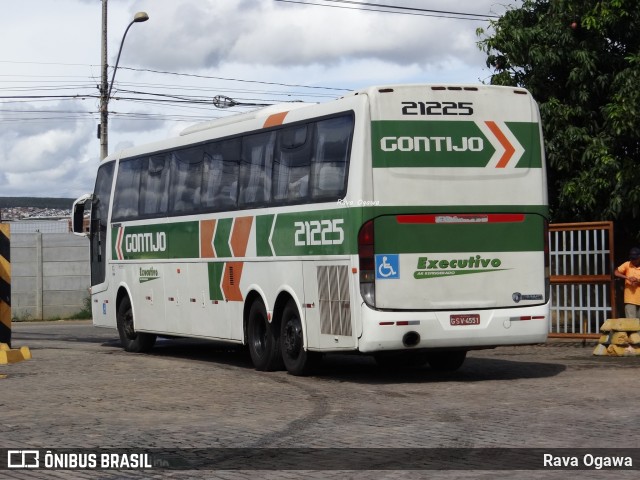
(462, 218)
(402, 323)
(527, 317)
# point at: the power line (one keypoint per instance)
(234, 79)
(412, 9)
(377, 7)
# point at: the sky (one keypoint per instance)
(191, 51)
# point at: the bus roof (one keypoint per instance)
(376, 89)
(242, 117)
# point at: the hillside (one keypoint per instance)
(37, 202)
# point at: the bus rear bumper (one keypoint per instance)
(388, 331)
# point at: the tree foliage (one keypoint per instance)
(581, 61)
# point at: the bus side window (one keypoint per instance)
(154, 196)
(292, 164)
(255, 169)
(331, 161)
(186, 174)
(127, 194)
(220, 175)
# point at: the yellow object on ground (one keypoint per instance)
(13, 355)
(620, 338)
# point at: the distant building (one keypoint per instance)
(40, 225)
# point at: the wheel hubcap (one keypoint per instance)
(128, 326)
(259, 341)
(293, 338)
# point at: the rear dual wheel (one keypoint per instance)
(297, 360)
(263, 339)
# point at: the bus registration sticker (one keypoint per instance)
(463, 320)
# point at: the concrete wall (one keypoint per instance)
(50, 275)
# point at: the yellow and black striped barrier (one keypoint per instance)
(5, 284)
(7, 354)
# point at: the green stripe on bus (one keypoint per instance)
(221, 238)
(448, 144)
(528, 134)
(324, 232)
(161, 241)
(215, 270)
(392, 237)
(263, 230)
(335, 232)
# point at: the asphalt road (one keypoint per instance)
(83, 393)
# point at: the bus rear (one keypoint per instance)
(452, 256)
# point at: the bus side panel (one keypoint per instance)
(146, 284)
(103, 309)
(330, 301)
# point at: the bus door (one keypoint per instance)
(99, 205)
(98, 227)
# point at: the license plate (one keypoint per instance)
(462, 320)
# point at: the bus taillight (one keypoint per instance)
(367, 263)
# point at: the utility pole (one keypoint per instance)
(103, 134)
(105, 86)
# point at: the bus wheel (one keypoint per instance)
(131, 340)
(447, 361)
(264, 346)
(297, 360)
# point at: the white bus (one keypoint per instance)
(405, 221)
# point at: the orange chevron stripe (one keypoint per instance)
(231, 281)
(207, 229)
(240, 236)
(275, 119)
(509, 149)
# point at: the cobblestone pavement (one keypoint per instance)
(81, 390)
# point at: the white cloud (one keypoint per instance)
(55, 49)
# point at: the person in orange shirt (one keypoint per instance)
(630, 272)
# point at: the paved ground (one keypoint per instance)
(81, 390)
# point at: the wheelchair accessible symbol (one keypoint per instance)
(387, 266)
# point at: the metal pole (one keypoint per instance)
(104, 89)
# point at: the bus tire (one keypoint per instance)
(264, 344)
(131, 340)
(297, 360)
(447, 361)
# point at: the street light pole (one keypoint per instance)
(105, 88)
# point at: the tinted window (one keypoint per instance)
(127, 194)
(186, 178)
(154, 195)
(292, 164)
(299, 163)
(331, 157)
(255, 169)
(99, 213)
(220, 175)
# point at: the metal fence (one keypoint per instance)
(582, 288)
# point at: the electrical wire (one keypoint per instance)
(375, 7)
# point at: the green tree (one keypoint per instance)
(581, 61)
